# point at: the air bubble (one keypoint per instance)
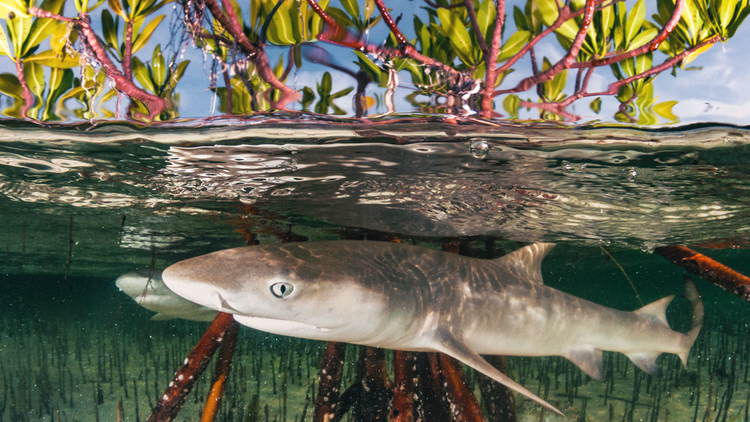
(479, 149)
(632, 174)
(566, 167)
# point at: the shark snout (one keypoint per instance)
(197, 291)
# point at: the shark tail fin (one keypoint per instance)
(691, 293)
(657, 312)
(527, 261)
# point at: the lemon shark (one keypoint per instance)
(405, 297)
(152, 294)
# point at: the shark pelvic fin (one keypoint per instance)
(589, 360)
(656, 311)
(527, 261)
(646, 361)
(446, 343)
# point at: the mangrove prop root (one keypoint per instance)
(221, 373)
(370, 395)
(171, 401)
(498, 399)
(700, 264)
(402, 404)
(331, 370)
(463, 403)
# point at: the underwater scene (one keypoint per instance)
(374, 210)
(93, 215)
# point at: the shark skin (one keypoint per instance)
(405, 297)
(152, 294)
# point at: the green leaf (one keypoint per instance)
(142, 75)
(51, 59)
(34, 78)
(520, 19)
(325, 85)
(635, 20)
(316, 24)
(665, 110)
(548, 9)
(142, 38)
(514, 44)
(643, 62)
(158, 68)
(628, 67)
(596, 105)
(10, 86)
(60, 81)
(60, 38)
(607, 16)
(501, 76)
(726, 12)
(144, 12)
(351, 7)
(569, 29)
(175, 77)
(110, 27)
(40, 30)
(18, 7)
(53, 6)
(510, 105)
(368, 66)
(117, 8)
(18, 30)
(281, 30)
(643, 38)
(342, 93)
(486, 16)
(98, 3)
(4, 46)
(692, 56)
(308, 96)
(455, 30)
(738, 21)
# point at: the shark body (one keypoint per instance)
(152, 294)
(406, 297)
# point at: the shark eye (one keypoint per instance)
(282, 290)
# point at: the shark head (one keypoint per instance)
(270, 290)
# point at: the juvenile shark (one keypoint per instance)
(404, 297)
(152, 294)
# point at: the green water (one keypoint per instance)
(79, 208)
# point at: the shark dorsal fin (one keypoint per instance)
(527, 261)
(656, 311)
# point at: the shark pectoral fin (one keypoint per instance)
(589, 360)
(446, 343)
(646, 361)
(162, 317)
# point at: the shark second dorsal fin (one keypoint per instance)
(527, 260)
(656, 311)
(446, 343)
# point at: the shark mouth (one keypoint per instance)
(278, 326)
